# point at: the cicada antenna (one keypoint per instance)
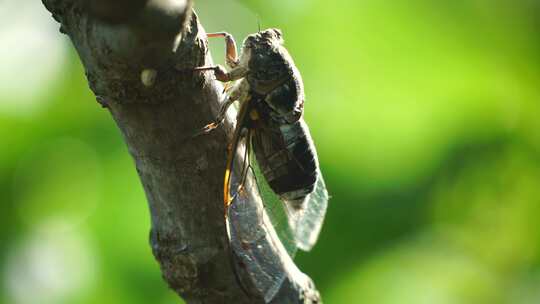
(258, 22)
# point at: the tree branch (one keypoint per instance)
(138, 57)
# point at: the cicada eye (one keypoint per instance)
(249, 41)
(278, 32)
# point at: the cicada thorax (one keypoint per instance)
(274, 77)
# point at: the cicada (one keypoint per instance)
(270, 125)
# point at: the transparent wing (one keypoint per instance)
(275, 209)
(252, 223)
(249, 231)
(290, 148)
(306, 223)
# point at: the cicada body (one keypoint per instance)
(270, 123)
(282, 144)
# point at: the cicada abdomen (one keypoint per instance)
(286, 156)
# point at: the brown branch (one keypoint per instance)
(138, 57)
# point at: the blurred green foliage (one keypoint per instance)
(425, 117)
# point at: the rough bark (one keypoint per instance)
(181, 175)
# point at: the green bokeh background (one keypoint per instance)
(424, 113)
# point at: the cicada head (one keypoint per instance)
(265, 38)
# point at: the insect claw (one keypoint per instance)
(206, 129)
(209, 127)
(219, 72)
(226, 87)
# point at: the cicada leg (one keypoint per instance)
(238, 92)
(226, 87)
(221, 73)
(231, 153)
(245, 169)
(232, 59)
(220, 117)
(231, 56)
(247, 162)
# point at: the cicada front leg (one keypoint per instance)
(222, 75)
(231, 55)
(237, 71)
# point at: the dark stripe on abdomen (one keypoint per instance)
(287, 159)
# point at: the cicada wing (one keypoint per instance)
(276, 210)
(253, 224)
(249, 231)
(288, 160)
(307, 222)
